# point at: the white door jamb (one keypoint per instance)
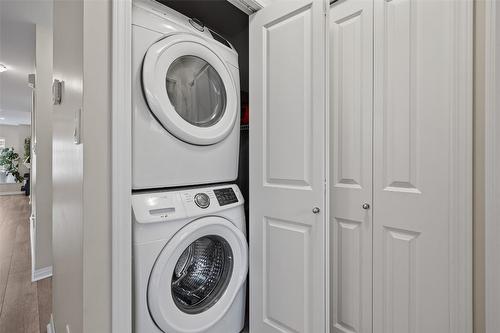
(492, 168)
(121, 168)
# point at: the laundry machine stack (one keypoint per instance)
(190, 248)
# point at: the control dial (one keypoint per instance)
(202, 200)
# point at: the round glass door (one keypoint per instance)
(202, 274)
(197, 275)
(196, 91)
(190, 90)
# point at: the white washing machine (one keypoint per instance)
(186, 101)
(190, 261)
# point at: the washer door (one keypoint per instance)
(189, 89)
(197, 275)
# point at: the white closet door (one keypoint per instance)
(351, 109)
(287, 172)
(422, 166)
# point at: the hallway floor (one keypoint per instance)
(25, 306)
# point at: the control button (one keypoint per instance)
(202, 200)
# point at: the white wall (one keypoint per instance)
(14, 136)
(97, 166)
(42, 134)
(81, 173)
(67, 170)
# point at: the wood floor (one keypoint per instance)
(25, 306)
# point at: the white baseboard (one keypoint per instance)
(41, 273)
(11, 193)
(50, 325)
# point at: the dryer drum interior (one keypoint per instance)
(202, 274)
(196, 91)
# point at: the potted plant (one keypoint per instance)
(9, 161)
(27, 153)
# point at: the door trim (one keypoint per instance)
(492, 163)
(121, 162)
(461, 169)
(326, 203)
(41, 273)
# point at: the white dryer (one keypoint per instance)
(186, 101)
(190, 261)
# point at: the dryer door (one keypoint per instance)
(189, 89)
(198, 275)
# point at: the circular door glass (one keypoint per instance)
(202, 274)
(196, 91)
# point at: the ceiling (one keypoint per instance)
(17, 52)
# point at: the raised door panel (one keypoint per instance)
(348, 254)
(287, 100)
(399, 289)
(348, 98)
(287, 97)
(421, 174)
(287, 265)
(351, 108)
(399, 96)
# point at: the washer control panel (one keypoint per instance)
(202, 200)
(167, 206)
(225, 196)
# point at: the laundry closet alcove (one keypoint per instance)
(360, 166)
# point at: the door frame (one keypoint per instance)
(121, 163)
(461, 200)
(327, 165)
(492, 163)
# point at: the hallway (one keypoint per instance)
(25, 307)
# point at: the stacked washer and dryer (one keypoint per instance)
(190, 248)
